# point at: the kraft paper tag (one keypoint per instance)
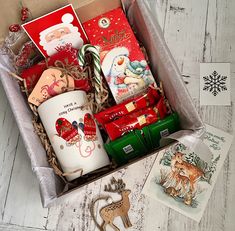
(51, 83)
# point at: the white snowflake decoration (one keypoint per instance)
(215, 83)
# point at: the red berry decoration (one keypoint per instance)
(14, 27)
(24, 17)
(24, 13)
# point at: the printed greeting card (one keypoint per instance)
(182, 180)
(56, 29)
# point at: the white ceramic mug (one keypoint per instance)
(73, 133)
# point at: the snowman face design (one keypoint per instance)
(119, 65)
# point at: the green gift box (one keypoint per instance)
(140, 142)
(154, 132)
(127, 147)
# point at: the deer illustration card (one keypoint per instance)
(182, 180)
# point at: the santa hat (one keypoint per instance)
(66, 19)
(107, 60)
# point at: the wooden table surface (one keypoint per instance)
(195, 31)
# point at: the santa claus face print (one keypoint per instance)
(62, 35)
(57, 34)
(56, 29)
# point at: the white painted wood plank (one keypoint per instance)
(10, 227)
(229, 221)
(159, 9)
(76, 216)
(184, 33)
(219, 44)
(220, 36)
(23, 205)
(229, 174)
(9, 136)
(218, 116)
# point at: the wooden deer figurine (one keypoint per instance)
(115, 209)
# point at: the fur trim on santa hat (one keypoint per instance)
(108, 59)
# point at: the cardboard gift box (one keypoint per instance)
(162, 66)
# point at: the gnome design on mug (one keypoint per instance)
(70, 133)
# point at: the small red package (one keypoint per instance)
(66, 56)
(137, 120)
(129, 106)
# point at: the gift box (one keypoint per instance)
(122, 61)
(130, 146)
(138, 143)
(162, 65)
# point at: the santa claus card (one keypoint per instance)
(122, 60)
(55, 30)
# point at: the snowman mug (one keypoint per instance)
(73, 134)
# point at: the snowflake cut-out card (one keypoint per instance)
(215, 84)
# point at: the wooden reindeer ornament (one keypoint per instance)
(115, 209)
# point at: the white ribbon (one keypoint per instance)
(189, 139)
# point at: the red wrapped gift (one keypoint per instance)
(137, 120)
(129, 106)
(67, 56)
